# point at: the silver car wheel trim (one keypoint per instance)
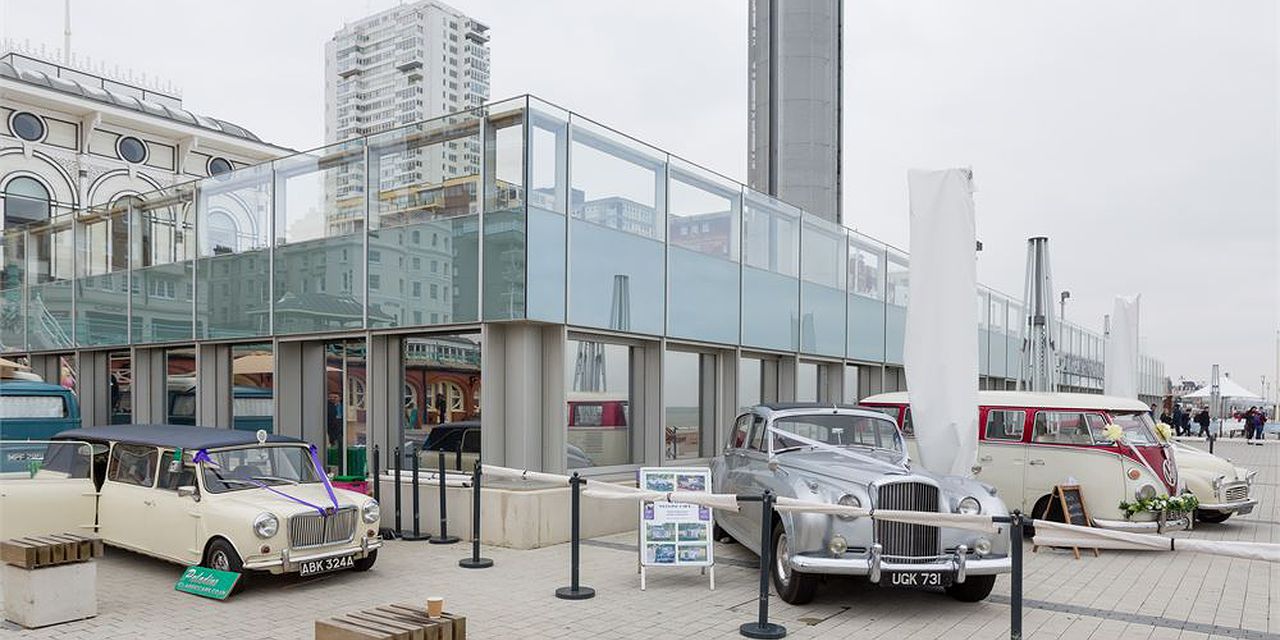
(220, 561)
(782, 555)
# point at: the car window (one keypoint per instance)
(15, 407)
(185, 477)
(838, 430)
(471, 441)
(1097, 426)
(184, 405)
(908, 427)
(1005, 424)
(757, 433)
(133, 464)
(738, 439)
(1139, 428)
(1061, 427)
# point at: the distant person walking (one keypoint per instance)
(1178, 416)
(1202, 419)
(1167, 419)
(1251, 425)
(1262, 425)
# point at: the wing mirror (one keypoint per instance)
(189, 491)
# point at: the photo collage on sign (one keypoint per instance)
(676, 534)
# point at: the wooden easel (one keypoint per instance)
(1071, 502)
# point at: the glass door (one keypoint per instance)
(346, 408)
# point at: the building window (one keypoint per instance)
(131, 149)
(219, 166)
(27, 126)
(600, 433)
(690, 405)
(26, 200)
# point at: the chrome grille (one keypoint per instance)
(1236, 492)
(902, 542)
(313, 530)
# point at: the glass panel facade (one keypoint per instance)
(600, 432)
(346, 408)
(984, 334)
(703, 229)
(163, 272)
(102, 285)
(997, 335)
(233, 271)
(897, 288)
(253, 387)
(822, 287)
(548, 197)
(505, 245)
(750, 382)
(13, 269)
(51, 270)
(181, 381)
(319, 250)
(866, 299)
(120, 369)
(689, 410)
(807, 382)
(442, 398)
(616, 251)
(770, 270)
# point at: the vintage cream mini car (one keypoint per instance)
(237, 501)
(1222, 488)
(1028, 442)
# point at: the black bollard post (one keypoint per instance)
(417, 527)
(574, 591)
(444, 537)
(396, 489)
(762, 628)
(475, 561)
(377, 473)
(1015, 576)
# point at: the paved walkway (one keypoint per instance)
(1119, 595)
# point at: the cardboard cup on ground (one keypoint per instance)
(435, 607)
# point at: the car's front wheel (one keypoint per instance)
(223, 557)
(366, 563)
(973, 589)
(1212, 517)
(793, 587)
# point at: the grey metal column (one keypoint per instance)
(94, 388)
(213, 386)
(150, 385)
(493, 369)
(385, 391)
(555, 405)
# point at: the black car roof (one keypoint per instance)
(170, 435)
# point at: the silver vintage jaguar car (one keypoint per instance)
(855, 457)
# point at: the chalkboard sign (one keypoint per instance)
(1066, 504)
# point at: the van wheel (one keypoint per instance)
(366, 563)
(792, 586)
(973, 589)
(1212, 517)
(223, 557)
(718, 534)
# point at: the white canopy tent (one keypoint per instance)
(1227, 389)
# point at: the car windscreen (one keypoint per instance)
(1138, 427)
(14, 407)
(839, 430)
(249, 467)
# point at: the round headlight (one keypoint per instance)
(982, 546)
(265, 525)
(1146, 492)
(847, 500)
(838, 545)
(970, 506)
(369, 512)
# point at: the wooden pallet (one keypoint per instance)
(392, 622)
(34, 552)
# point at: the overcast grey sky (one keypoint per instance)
(1140, 136)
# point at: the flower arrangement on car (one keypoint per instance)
(1185, 503)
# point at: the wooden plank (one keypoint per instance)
(432, 629)
(18, 553)
(453, 627)
(335, 629)
(414, 631)
(389, 632)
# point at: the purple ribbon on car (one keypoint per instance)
(203, 456)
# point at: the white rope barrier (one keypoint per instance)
(1057, 534)
(526, 476)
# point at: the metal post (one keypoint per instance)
(417, 510)
(574, 591)
(1015, 578)
(475, 561)
(762, 628)
(444, 537)
(396, 488)
(377, 474)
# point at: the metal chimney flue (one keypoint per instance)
(1038, 359)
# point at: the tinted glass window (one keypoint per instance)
(757, 433)
(908, 427)
(836, 430)
(132, 149)
(1061, 427)
(1139, 428)
(738, 439)
(28, 126)
(219, 166)
(1003, 424)
(133, 464)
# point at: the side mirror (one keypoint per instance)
(189, 491)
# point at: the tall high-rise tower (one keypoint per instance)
(409, 63)
(794, 102)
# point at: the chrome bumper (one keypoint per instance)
(873, 564)
(1172, 524)
(285, 562)
(1242, 507)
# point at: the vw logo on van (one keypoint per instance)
(1170, 472)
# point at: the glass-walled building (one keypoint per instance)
(578, 299)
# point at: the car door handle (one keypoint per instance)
(985, 459)
(1037, 463)
(149, 503)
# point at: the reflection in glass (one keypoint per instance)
(822, 287)
(504, 222)
(442, 398)
(120, 381)
(13, 269)
(599, 409)
(51, 269)
(253, 387)
(181, 381)
(771, 264)
(234, 269)
(102, 288)
(704, 216)
(548, 203)
(162, 251)
(346, 408)
(866, 299)
(897, 276)
(689, 411)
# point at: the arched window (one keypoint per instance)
(224, 236)
(120, 207)
(26, 200)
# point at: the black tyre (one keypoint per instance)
(792, 586)
(1212, 517)
(720, 535)
(223, 557)
(366, 563)
(973, 589)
